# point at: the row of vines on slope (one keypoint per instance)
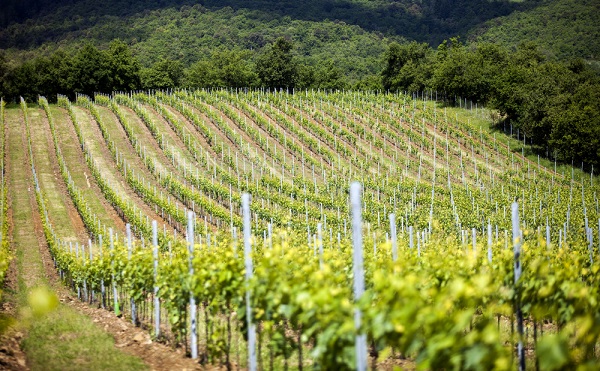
(444, 300)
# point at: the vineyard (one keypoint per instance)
(224, 222)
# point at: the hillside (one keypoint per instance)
(249, 185)
(100, 171)
(352, 33)
(425, 21)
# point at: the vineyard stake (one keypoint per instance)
(489, 231)
(129, 248)
(320, 242)
(248, 266)
(156, 301)
(114, 285)
(193, 329)
(102, 289)
(394, 237)
(517, 240)
(91, 257)
(359, 284)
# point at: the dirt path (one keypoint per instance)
(26, 227)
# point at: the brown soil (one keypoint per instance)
(131, 339)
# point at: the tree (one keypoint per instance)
(329, 77)
(4, 69)
(277, 68)
(576, 125)
(225, 68)
(20, 82)
(90, 71)
(163, 74)
(123, 67)
(453, 71)
(406, 67)
(235, 70)
(305, 76)
(201, 75)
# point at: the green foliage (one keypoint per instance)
(551, 103)
(224, 69)
(277, 68)
(88, 71)
(575, 120)
(164, 74)
(406, 67)
(49, 75)
(329, 77)
(4, 69)
(425, 21)
(463, 71)
(124, 69)
(353, 34)
(437, 306)
(5, 253)
(564, 29)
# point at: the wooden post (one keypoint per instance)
(359, 283)
(249, 273)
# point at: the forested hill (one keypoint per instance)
(565, 28)
(186, 30)
(432, 21)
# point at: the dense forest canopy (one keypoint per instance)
(547, 89)
(423, 20)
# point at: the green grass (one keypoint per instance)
(6, 321)
(67, 340)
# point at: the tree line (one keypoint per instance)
(554, 105)
(92, 70)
